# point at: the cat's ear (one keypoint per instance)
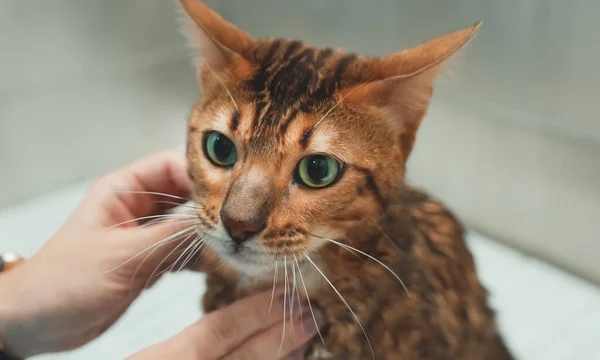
(402, 83)
(221, 45)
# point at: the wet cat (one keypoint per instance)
(297, 155)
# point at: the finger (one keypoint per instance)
(164, 172)
(218, 333)
(299, 353)
(161, 173)
(160, 247)
(280, 340)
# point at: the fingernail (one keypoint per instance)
(308, 322)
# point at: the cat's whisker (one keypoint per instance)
(200, 249)
(285, 290)
(274, 285)
(159, 243)
(292, 301)
(154, 274)
(170, 268)
(155, 193)
(295, 289)
(339, 102)
(200, 244)
(389, 239)
(182, 240)
(188, 248)
(160, 221)
(343, 300)
(218, 266)
(223, 85)
(137, 269)
(177, 204)
(196, 243)
(198, 258)
(162, 216)
(367, 255)
(157, 221)
(308, 300)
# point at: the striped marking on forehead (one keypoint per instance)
(292, 78)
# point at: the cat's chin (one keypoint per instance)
(247, 264)
(256, 266)
(250, 260)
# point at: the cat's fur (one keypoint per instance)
(280, 100)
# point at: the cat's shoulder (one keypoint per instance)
(418, 199)
(430, 215)
(438, 241)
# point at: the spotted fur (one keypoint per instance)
(280, 100)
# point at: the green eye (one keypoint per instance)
(318, 171)
(219, 149)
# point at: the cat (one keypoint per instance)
(297, 157)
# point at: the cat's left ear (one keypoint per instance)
(402, 83)
(221, 45)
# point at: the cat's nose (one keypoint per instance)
(241, 229)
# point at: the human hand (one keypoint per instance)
(65, 295)
(248, 329)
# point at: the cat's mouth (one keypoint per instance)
(254, 262)
(250, 257)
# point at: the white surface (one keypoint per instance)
(544, 312)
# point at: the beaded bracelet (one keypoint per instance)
(9, 261)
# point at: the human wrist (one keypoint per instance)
(8, 319)
(4, 349)
(15, 339)
(5, 354)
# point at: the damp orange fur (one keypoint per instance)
(394, 255)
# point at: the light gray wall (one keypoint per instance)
(512, 142)
(86, 86)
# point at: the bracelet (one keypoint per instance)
(9, 261)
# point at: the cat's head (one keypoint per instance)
(291, 143)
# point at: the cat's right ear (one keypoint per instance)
(221, 46)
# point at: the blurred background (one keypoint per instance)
(512, 141)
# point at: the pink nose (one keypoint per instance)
(241, 229)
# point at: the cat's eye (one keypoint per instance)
(318, 171)
(219, 149)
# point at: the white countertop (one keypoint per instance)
(544, 312)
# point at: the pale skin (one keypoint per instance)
(65, 296)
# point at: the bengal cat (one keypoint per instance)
(297, 155)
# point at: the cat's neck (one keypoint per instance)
(301, 277)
